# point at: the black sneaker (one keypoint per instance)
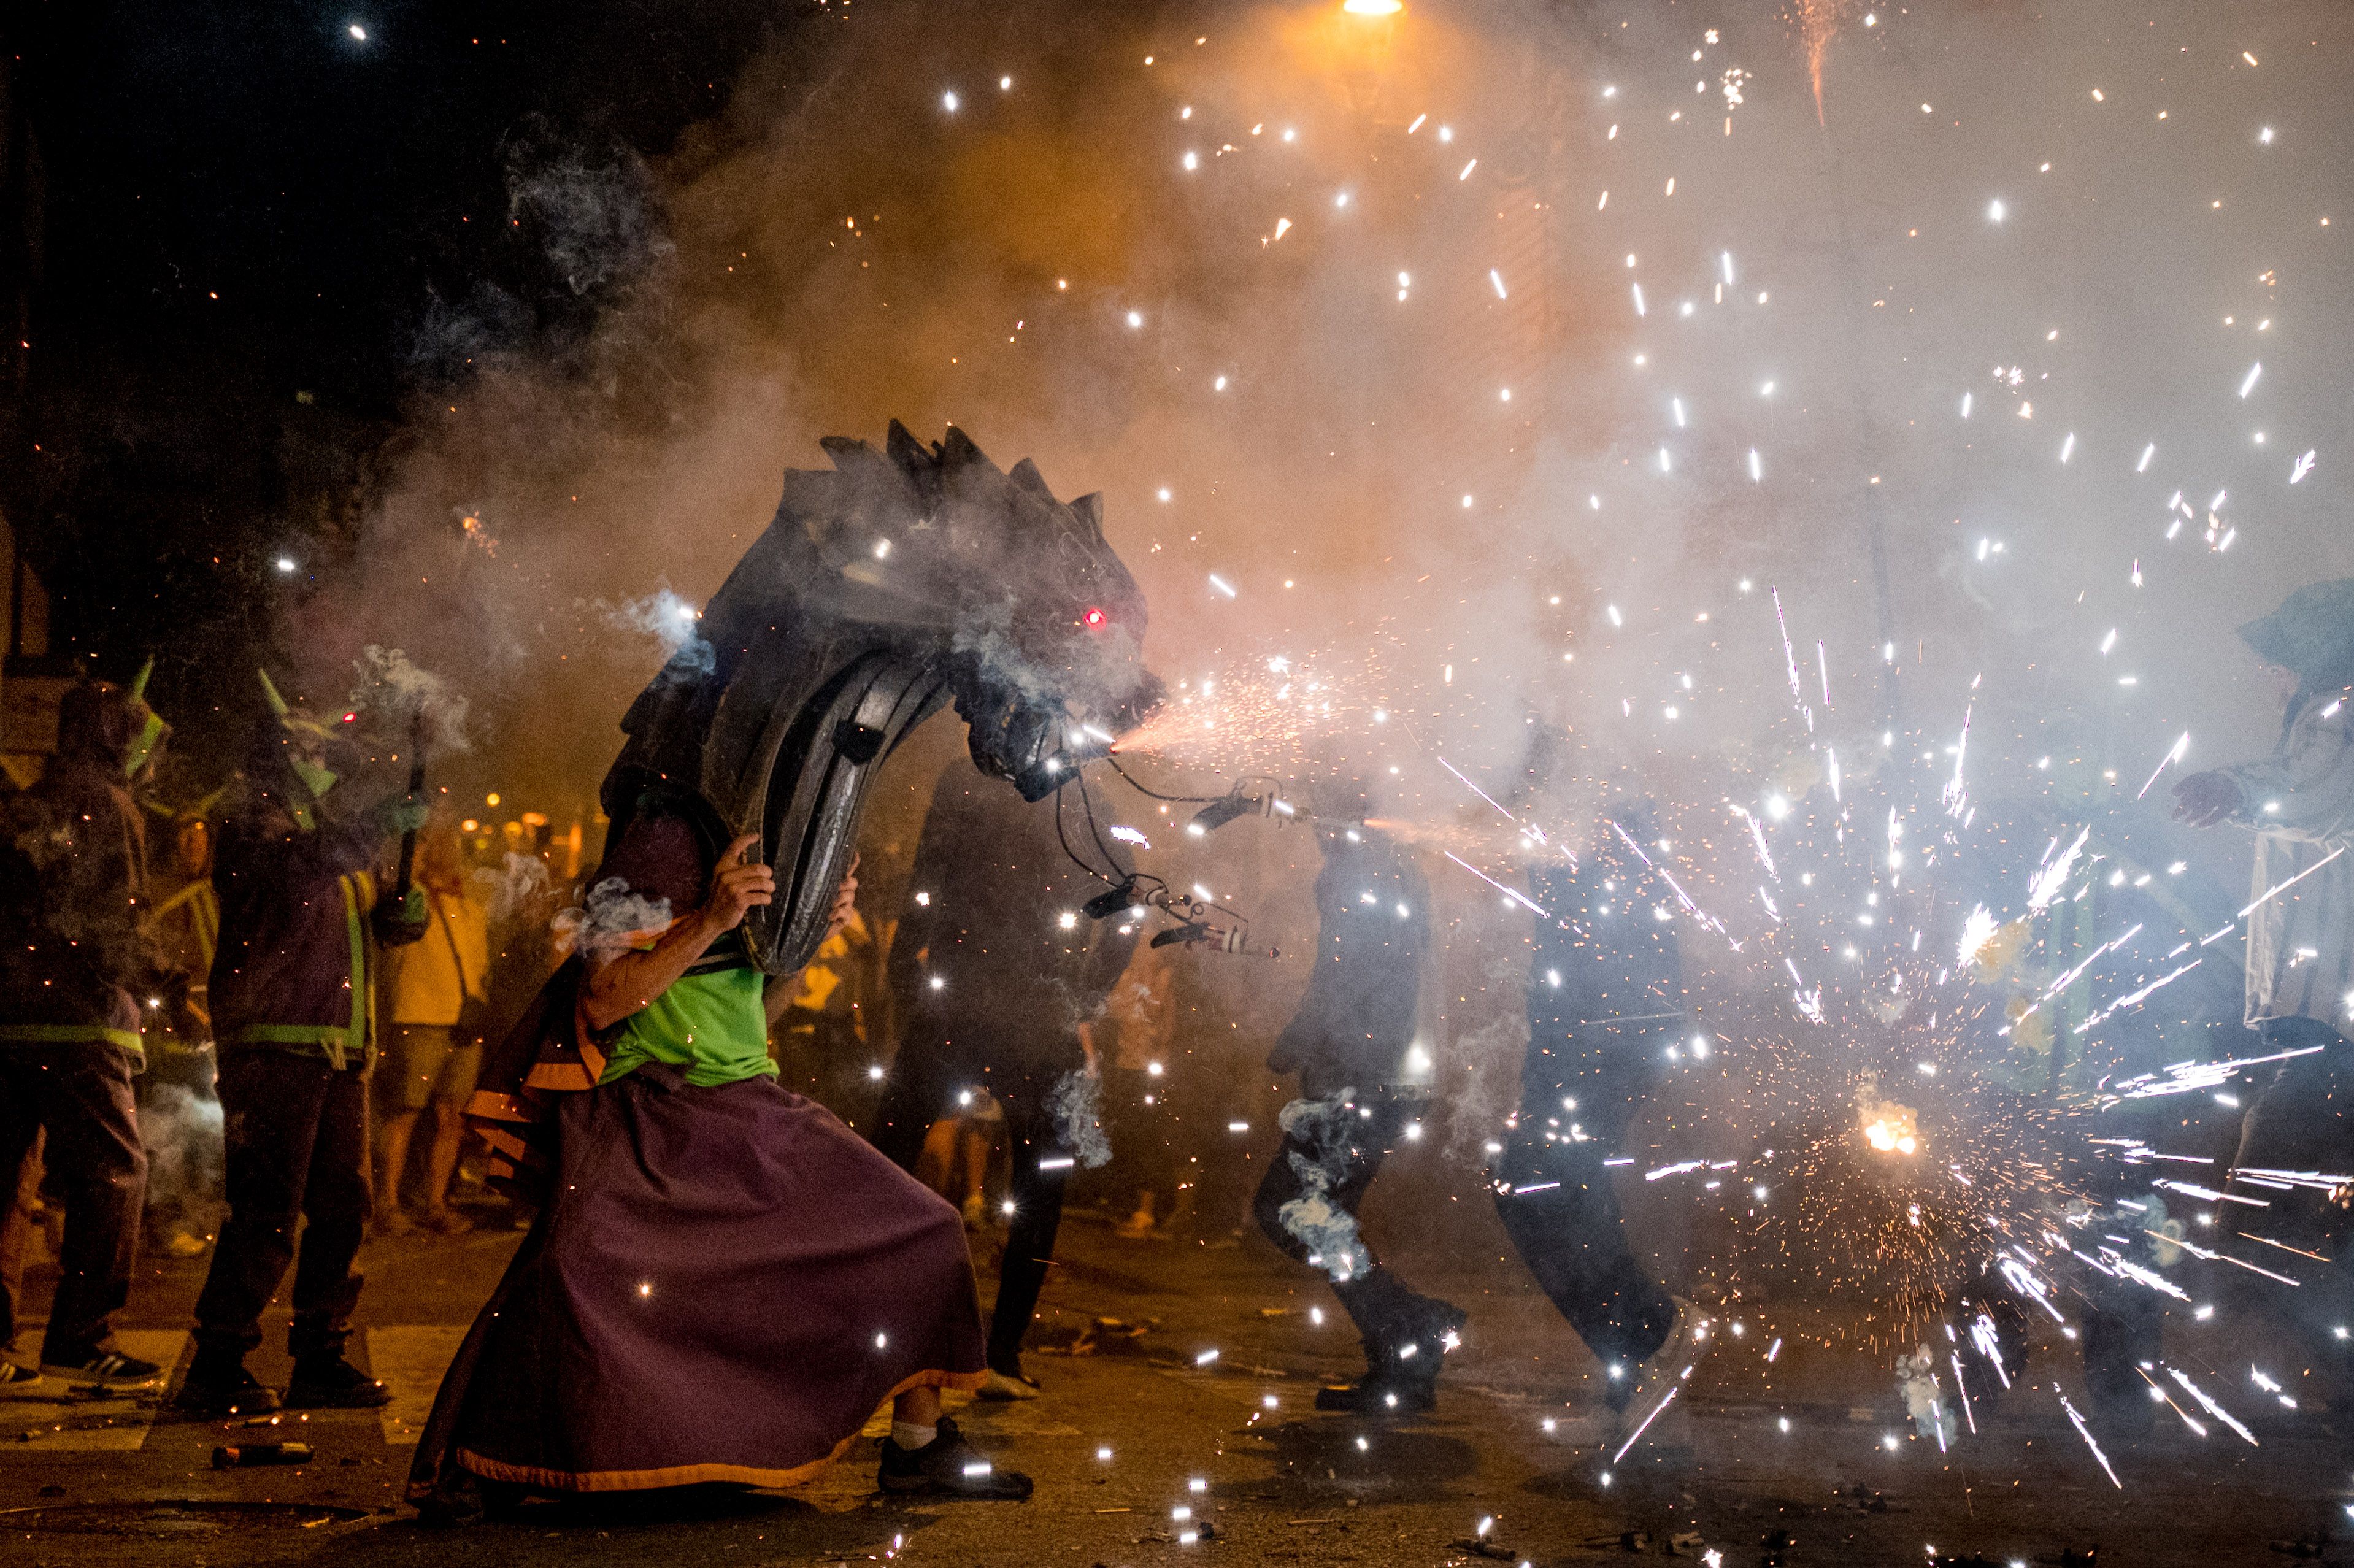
(18, 1379)
(213, 1394)
(948, 1466)
(108, 1369)
(334, 1384)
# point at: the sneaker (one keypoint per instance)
(1688, 1342)
(185, 1244)
(392, 1223)
(997, 1384)
(1138, 1226)
(948, 1466)
(446, 1222)
(17, 1380)
(334, 1384)
(216, 1392)
(108, 1369)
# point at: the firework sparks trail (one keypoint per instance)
(1757, 837)
(2132, 998)
(2319, 1180)
(1989, 1343)
(2023, 1280)
(2210, 1194)
(2207, 1402)
(1476, 790)
(2052, 875)
(1690, 907)
(2171, 758)
(2269, 894)
(1962, 1385)
(2185, 1077)
(2158, 1392)
(2250, 1236)
(1955, 796)
(1789, 654)
(1635, 1437)
(2195, 1250)
(1515, 895)
(2085, 1432)
(2069, 979)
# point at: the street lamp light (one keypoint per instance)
(1373, 8)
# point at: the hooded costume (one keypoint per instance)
(1606, 995)
(1348, 1040)
(292, 998)
(724, 1281)
(2300, 968)
(991, 987)
(74, 974)
(2300, 801)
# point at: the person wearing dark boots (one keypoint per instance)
(2299, 803)
(1605, 999)
(74, 973)
(1350, 1042)
(292, 985)
(997, 980)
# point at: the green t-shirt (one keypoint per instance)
(711, 1024)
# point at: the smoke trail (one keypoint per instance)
(1078, 1105)
(611, 918)
(181, 1131)
(1326, 1229)
(391, 685)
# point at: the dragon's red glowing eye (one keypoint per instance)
(1093, 617)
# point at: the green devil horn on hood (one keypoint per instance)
(270, 693)
(139, 681)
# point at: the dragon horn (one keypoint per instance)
(270, 692)
(139, 681)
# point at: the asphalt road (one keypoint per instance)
(1232, 1438)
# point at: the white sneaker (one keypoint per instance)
(1669, 1370)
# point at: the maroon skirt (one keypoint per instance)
(724, 1286)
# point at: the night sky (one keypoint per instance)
(252, 215)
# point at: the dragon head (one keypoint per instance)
(886, 587)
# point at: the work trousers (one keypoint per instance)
(1334, 1142)
(924, 1088)
(296, 1131)
(81, 1094)
(1556, 1198)
(2300, 1118)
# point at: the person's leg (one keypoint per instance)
(975, 1146)
(20, 1132)
(271, 1102)
(334, 1208)
(392, 1141)
(95, 1156)
(442, 1163)
(934, 1164)
(452, 1089)
(1559, 1204)
(1040, 1167)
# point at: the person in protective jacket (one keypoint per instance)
(302, 917)
(77, 976)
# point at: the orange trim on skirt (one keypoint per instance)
(696, 1475)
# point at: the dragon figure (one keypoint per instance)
(884, 587)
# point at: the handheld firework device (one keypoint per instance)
(884, 589)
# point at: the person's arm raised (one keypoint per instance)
(629, 981)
